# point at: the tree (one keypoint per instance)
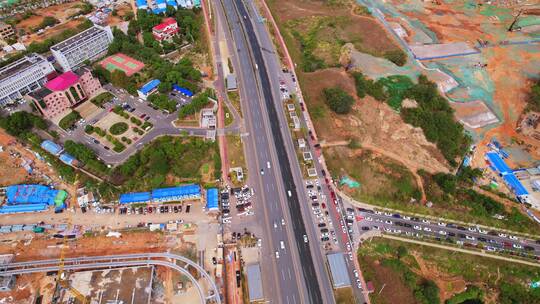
(401, 252)
(119, 78)
(338, 100)
(21, 122)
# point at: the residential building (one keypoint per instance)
(6, 31)
(165, 30)
(65, 91)
(87, 45)
(208, 119)
(23, 76)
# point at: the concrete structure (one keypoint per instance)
(148, 88)
(7, 283)
(166, 30)
(442, 50)
(254, 280)
(65, 91)
(6, 31)
(87, 45)
(23, 76)
(231, 83)
(338, 270)
(208, 119)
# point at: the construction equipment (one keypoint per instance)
(513, 27)
(62, 277)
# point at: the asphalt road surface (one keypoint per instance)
(468, 236)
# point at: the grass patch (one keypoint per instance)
(235, 155)
(69, 120)
(102, 98)
(344, 295)
(228, 115)
(482, 276)
(234, 98)
(381, 179)
(119, 128)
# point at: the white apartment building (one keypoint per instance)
(87, 45)
(23, 76)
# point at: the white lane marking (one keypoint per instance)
(282, 274)
(290, 277)
(294, 298)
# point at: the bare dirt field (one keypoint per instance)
(372, 124)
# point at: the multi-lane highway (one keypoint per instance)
(467, 236)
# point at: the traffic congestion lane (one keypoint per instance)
(414, 227)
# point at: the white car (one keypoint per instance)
(468, 237)
(388, 222)
(259, 242)
(512, 237)
(441, 224)
(388, 214)
(368, 218)
(282, 222)
(489, 248)
(275, 225)
(305, 238)
(397, 231)
(472, 229)
(282, 245)
(416, 227)
(482, 231)
(355, 273)
(408, 218)
(426, 221)
(427, 229)
(442, 232)
(502, 235)
(277, 255)
(517, 246)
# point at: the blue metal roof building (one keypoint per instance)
(514, 183)
(176, 193)
(67, 159)
(161, 3)
(142, 4)
(135, 197)
(51, 147)
(212, 199)
(498, 163)
(149, 88)
(8, 209)
(30, 194)
(182, 90)
(172, 3)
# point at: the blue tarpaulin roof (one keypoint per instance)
(51, 147)
(30, 194)
(172, 3)
(149, 86)
(6, 209)
(498, 163)
(514, 183)
(187, 190)
(181, 3)
(135, 197)
(142, 3)
(158, 11)
(67, 159)
(182, 90)
(212, 199)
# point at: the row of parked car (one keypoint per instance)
(154, 209)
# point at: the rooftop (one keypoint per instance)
(62, 82)
(39, 94)
(20, 65)
(77, 39)
(254, 282)
(166, 22)
(338, 269)
(149, 86)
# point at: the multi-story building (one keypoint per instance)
(87, 45)
(23, 76)
(165, 30)
(6, 31)
(65, 91)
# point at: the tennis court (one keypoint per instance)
(123, 63)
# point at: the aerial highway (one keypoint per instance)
(125, 260)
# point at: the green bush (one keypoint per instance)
(126, 140)
(147, 124)
(118, 128)
(197, 103)
(398, 57)
(100, 131)
(69, 120)
(119, 147)
(534, 97)
(338, 100)
(102, 99)
(47, 21)
(89, 129)
(136, 121)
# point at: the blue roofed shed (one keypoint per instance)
(135, 197)
(68, 159)
(514, 183)
(498, 163)
(150, 87)
(182, 90)
(30, 194)
(51, 147)
(212, 199)
(142, 4)
(176, 193)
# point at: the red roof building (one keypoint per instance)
(165, 30)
